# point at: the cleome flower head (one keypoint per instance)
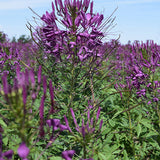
(82, 36)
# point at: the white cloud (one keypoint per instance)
(22, 4)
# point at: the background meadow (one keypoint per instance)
(68, 93)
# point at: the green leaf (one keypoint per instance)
(146, 123)
(125, 155)
(138, 129)
(2, 123)
(103, 157)
(116, 114)
(151, 133)
(112, 123)
(139, 117)
(56, 158)
(5, 140)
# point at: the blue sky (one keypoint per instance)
(135, 19)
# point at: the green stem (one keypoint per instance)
(84, 151)
(92, 90)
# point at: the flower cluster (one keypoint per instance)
(83, 36)
(89, 128)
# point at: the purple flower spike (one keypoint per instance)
(41, 113)
(5, 83)
(63, 127)
(8, 154)
(44, 84)
(67, 155)
(39, 74)
(100, 125)
(32, 78)
(98, 113)
(23, 151)
(66, 121)
(83, 131)
(74, 119)
(24, 94)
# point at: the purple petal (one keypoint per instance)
(54, 123)
(91, 8)
(67, 155)
(88, 16)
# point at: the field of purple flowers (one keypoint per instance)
(68, 94)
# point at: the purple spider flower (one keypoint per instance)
(86, 27)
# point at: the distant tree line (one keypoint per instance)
(22, 38)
